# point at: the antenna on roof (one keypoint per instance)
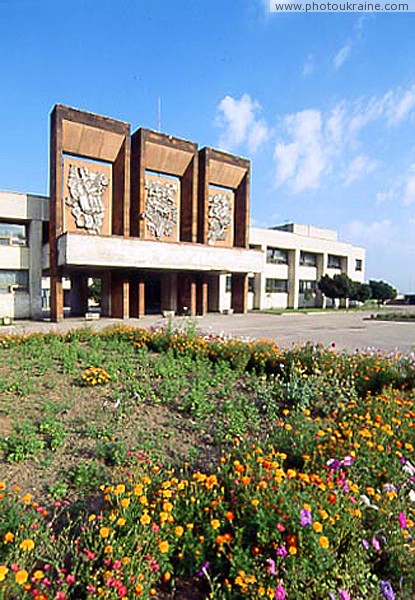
(159, 113)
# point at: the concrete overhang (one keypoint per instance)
(75, 250)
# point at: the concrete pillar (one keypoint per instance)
(259, 294)
(213, 293)
(293, 277)
(106, 295)
(79, 295)
(186, 303)
(137, 297)
(120, 296)
(202, 295)
(169, 291)
(35, 269)
(344, 264)
(240, 292)
(56, 296)
(321, 300)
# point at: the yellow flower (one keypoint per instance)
(317, 526)
(3, 572)
(121, 522)
(9, 537)
(27, 545)
(21, 576)
(37, 575)
(179, 531)
(119, 489)
(27, 498)
(125, 502)
(255, 502)
(215, 523)
(104, 532)
(164, 547)
(324, 542)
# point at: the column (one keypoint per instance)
(35, 269)
(120, 296)
(240, 292)
(79, 295)
(293, 277)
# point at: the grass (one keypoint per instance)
(160, 464)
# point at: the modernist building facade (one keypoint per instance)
(162, 224)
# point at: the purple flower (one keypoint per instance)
(280, 592)
(332, 596)
(334, 464)
(305, 518)
(348, 460)
(202, 571)
(281, 551)
(402, 520)
(387, 590)
(271, 566)
(344, 595)
(365, 544)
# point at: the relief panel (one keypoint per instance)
(162, 211)
(87, 193)
(220, 213)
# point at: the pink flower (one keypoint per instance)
(60, 596)
(271, 566)
(281, 551)
(90, 589)
(155, 527)
(344, 595)
(70, 579)
(280, 592)
(402, 520)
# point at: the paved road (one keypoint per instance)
(347, 331)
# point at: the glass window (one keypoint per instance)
(228, 287)
(251, 284)
(276, 286)
(13, 234)
(334, 262)
(277, 256)
(18, 279)
(308, 259)
(307, 286)
(359, 264)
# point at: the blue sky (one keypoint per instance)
(322, 104)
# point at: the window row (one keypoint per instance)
(17, 280)
(13, 234)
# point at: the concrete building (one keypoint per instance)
(292, 259)
(162, 224)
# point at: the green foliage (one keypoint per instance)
(22, 443)
(382, 291)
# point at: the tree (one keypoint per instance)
(343, 285)
(95, 290)
(360, 291)
(327, 287)
(339, 286)
(382, 291)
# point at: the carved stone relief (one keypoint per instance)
(86, 190)
(220, 217)
(161, 210)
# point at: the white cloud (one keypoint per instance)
(366, 234)
(240, 123)
(393, 107)
(342, 55)
(409, 190)
(358, 168)
(309, 66)
(302, 162)
(402, 106)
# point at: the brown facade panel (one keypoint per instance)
(223, 199)
(163, 208)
